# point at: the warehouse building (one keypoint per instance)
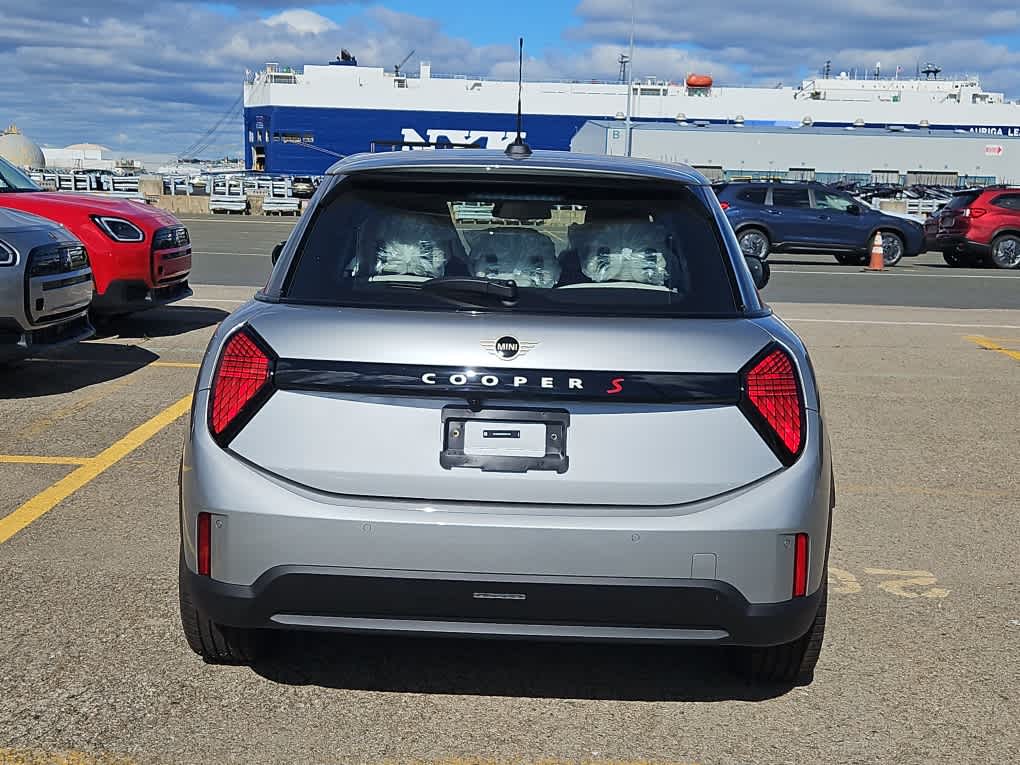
(898, 155)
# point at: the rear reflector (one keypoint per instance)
(242, 377)
(725, 205)
(204, 544)
(773, 393)
(800, 566)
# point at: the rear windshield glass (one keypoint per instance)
(628, 250)
(959, 201)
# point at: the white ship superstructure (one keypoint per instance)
(296, 121)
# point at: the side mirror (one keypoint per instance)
(854, 209)
(276, 252)
(760, 271)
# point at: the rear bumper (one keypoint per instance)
(719, 570)
(126, 296)
(16, 342)
(960, 243)
(536, 608)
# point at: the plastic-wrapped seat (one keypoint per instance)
(416, 245)
(623, 250)
(524, 255)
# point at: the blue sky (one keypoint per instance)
(151, 77)
(484, 23)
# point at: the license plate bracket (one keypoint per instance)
(498, 425)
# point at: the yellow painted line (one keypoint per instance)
(988, 345)
(1007, 340)
(10, 756)
(29, 459)
(119, 363)
(49, 498)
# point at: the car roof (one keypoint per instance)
(540, 162)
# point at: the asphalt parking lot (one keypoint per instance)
(920, 374)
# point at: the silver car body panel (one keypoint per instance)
(350, 483)
(32, 308)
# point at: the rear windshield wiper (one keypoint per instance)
(450, 287)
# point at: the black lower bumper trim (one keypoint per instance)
(124, 296)
(961, 244)
(336, 594)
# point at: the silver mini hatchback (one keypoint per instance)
(531, 398)
(45, 286)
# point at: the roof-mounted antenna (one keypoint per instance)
(518, 149)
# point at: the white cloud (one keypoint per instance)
(162, 73)
(300, 20)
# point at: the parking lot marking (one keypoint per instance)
(904, 579)
(951, 325)
(912, 274)
(49, 498)
(176, 364)
(988, 345)
(115, 363)
(29, 459)
(10, 756)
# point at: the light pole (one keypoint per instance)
(630, 75)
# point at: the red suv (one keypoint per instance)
(140, 255)
(981, 225)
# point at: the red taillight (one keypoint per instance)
(242, 374)
(725, 205)
(800, 565)
(204, 544)
(773, 394)
(974, 212)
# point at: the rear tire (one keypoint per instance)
(754, 243)
(952, 258)
(1005, 252)
(789, 663)
(216, 643)
(892, 248)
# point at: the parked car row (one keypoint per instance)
(785, 217)
(978, 227)
(68, 259)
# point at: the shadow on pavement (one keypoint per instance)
(165, 321)
(509, 668)
(76, 367)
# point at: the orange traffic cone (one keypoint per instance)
(877, 254)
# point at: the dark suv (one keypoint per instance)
(981, 225)
(810, 217)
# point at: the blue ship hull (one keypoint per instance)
(298, 139)
(306, 141)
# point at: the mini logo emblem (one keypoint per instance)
(508, 348)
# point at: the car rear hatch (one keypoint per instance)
(956, 216)
(632, 412)
(58, 282)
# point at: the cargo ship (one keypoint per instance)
(301, 121)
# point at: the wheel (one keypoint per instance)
(952, 258)
(1006, 251)
(845, 260)
(789, 662)
(754, 243)
(216, 643)
(892, 248)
